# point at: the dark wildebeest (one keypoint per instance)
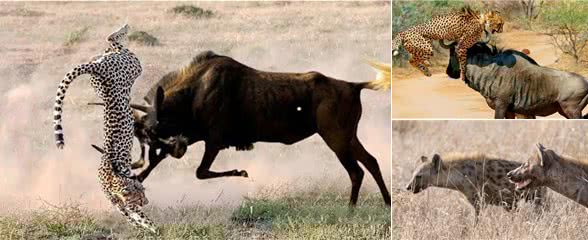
(513, 83)
(225, 103)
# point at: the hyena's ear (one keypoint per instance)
(437, 162)
(424, 159)
(541, 154)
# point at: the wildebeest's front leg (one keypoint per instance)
(203, 171)
(500, 109)
(141, 162)
(154, 160)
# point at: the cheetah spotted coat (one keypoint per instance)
(466, 27)
(112, 76)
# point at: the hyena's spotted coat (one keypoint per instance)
(480, 178)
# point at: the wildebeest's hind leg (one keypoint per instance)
(371, 164)
(338, 138)
(203, 171)
(573, 108)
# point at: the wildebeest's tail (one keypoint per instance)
(396, 42)
(382, 81)
(58, 107)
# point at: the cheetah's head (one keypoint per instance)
(493, 22)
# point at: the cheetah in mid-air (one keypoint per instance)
(112, 76)
(466, 27)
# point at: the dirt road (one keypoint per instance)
(439, 96)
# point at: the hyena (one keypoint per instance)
(545, 168)
(480, 178)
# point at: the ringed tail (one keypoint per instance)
(58, 106)
(383, 80)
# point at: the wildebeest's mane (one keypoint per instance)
(494, 51)
(173, 77)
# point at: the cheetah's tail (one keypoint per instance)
(58, 106)
(396, 42)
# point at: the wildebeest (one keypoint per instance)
(224, 103)
(513, 83)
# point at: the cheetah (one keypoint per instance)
(564, 175)
(466, 27)
(112, 76)
(480, 178)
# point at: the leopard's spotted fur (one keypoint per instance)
(466, 27)
(112, 76)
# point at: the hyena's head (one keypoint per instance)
(430, 173)
(532, 173)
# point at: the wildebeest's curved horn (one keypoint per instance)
(140, 107)
(486, 39)
(446, 46)
(99, 149)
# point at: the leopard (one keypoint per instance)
(465, 26)
(112, 75)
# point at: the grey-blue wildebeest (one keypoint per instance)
(513, 83)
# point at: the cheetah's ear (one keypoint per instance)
(437, 162)
(424, 159)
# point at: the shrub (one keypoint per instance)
(192, 11)
(143, 38)
(76, 37)
(567, 25)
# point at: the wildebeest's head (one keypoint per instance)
(532, 173)
(483, 54)
(429, 173)
(152, 128)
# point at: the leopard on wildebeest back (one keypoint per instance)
(466, 27)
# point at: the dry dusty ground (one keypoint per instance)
(297, 191)
(417, 96)
(444, 214)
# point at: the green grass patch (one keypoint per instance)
(76, 37)
(144, 38)
(302, 216)
(63, 222)
(192, 11)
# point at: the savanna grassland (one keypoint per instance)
(293, 192)
(445, 214)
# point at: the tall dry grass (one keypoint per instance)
(446, 214)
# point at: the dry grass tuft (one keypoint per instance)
(144, 38)
(76, 37)
(192, 11)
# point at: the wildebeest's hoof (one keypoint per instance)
(243, 173)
